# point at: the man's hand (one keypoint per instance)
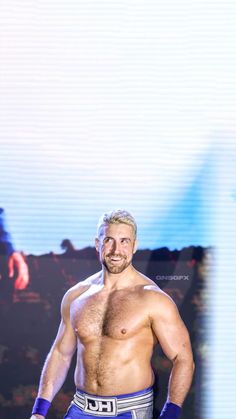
(16, 262)
(37, 416)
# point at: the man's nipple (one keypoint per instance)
(123, 331)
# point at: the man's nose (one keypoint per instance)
(115, 246)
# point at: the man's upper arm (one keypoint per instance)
(169, 328)
(65, 342)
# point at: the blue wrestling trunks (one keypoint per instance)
(137, 405)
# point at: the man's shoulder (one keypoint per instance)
(147, 285)
(152, 292)
(79, 288)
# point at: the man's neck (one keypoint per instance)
(120, 280)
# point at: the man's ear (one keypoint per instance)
(97, 244)
(135, 246)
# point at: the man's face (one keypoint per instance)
(116, 246)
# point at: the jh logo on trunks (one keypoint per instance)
(103, 406)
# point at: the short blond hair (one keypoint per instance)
(118, 216)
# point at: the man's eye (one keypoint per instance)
(107, 240)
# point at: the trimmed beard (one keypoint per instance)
(113, 269)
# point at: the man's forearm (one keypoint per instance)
(180, 380)
(53, 374)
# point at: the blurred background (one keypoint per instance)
(117, 105)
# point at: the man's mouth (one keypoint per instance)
(115, 259)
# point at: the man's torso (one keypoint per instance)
(115, 339)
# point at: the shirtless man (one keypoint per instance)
(114, 319)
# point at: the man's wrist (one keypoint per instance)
(170, 411)
(41, 406)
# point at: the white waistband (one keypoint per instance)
(111, 406)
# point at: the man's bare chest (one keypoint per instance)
(118, 315)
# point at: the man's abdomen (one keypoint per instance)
(110, 368)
